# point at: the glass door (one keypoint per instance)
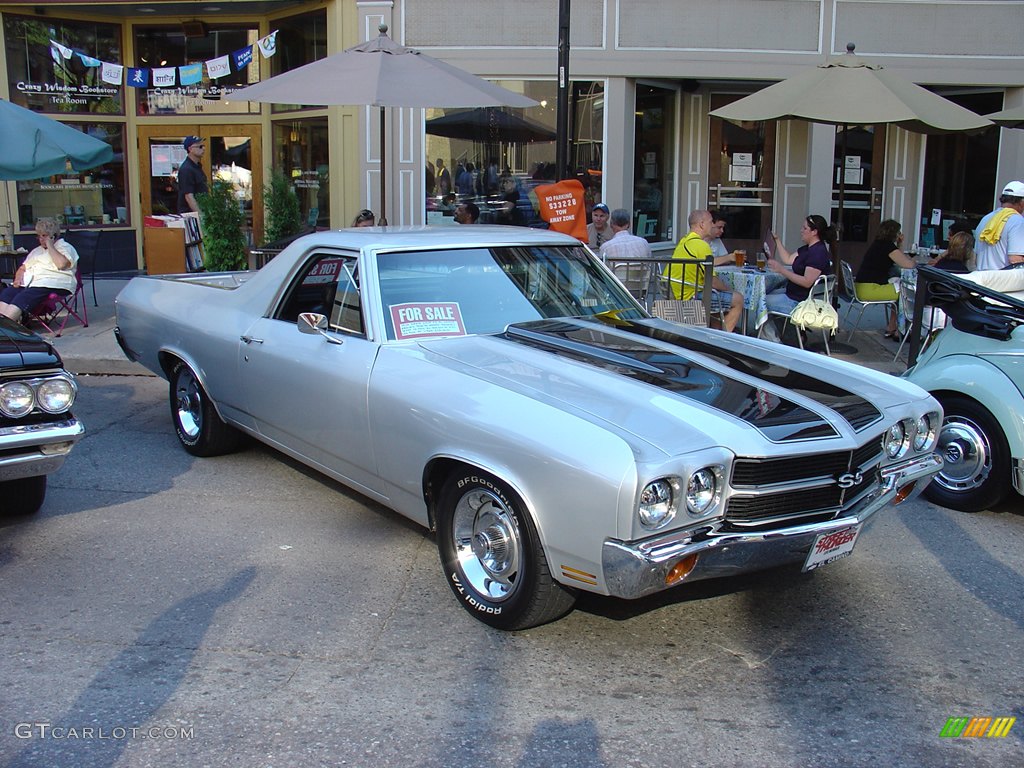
(741, 176)
(655, 162)
(233, 153)
(862, 168)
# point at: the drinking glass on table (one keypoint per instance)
(761, 260)
(741, 257)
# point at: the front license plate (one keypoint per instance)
(829, 547)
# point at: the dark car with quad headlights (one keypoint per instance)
(37, 428)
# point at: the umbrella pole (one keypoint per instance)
(383, 220)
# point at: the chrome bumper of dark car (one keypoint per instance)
(28, 450)
(635, 569)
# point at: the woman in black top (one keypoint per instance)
(872, 281)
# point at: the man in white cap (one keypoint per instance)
(999, 238)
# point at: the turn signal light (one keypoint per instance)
(680, 570)
(903, 492)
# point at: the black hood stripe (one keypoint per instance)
(779, 419)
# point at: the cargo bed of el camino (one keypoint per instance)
(499, 386)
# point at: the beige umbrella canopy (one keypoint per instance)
(382, 73)
(848, 91)
(1008, 118)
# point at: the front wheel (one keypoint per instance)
(23, 496)
(975, 474)
(199, 427)
(492, 556)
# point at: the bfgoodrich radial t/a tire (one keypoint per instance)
(492, 557)
(975, 474)
(199, 427)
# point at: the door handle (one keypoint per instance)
(251, 340)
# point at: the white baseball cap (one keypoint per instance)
(1014, 189)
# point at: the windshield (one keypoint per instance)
(430, 294)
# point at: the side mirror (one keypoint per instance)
(314, 322)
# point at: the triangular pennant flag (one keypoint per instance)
(138, 78)
(242, 57)
(111, 73)
(191, 73)
(64, 50)
(218, 67)
(55, 53)
(164, 77)
(89, 61)
(268, 44)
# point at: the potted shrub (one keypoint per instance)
(223, 226)
(283, 217)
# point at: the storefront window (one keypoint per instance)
(169, 47)
(496, 156)
(654, 162)
(90, 198)
(959, 175)
(43, 80)
(300, 152)
(300, 40)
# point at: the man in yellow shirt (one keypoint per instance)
(687, 280)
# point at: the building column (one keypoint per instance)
(620, 131)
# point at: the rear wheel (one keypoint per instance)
(23, 496)
(199, 427)
(975, 474)
(492, 556)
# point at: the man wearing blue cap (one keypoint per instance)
(191, 179)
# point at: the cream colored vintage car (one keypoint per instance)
(975, 368)
(498, 385)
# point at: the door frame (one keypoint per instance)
(179, 131)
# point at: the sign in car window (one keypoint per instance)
(422, 320)
(325, 271)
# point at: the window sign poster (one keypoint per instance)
(741, 173)
(418, 320)
(852, 161)
(164, 159)
(853, 176)
(743, 158)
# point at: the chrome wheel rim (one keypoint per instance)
(189, 404)
(967, 455)
(487, 543)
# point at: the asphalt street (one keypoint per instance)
(163, 610)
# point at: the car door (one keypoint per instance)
(308, 392)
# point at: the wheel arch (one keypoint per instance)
(169, 358)
(440, 468)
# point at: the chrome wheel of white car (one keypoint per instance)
(492, 556)
(199, 427)
(976, 471)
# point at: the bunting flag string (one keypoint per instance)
(168, 77)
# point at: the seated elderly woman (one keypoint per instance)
(883, 260)
(959, 257)
(49, 268)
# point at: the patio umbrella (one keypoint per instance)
(850, 91)
(36, 146)
(381, 73)
(487, 124)
(1008, 118)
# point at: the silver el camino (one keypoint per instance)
(500, 386)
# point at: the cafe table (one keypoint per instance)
(754, 285)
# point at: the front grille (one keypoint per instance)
(751, 509)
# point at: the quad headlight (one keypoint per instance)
(926, 432)
(895, 441)
(661, 499)
(54, 394)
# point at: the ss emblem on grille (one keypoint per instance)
(849, 479)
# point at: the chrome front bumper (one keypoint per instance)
(28, 450)
(635, 569)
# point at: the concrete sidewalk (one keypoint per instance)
(94, 351)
